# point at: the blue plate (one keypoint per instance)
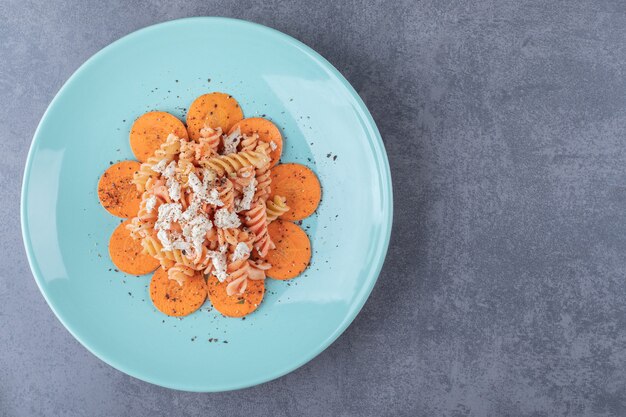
(164, 67)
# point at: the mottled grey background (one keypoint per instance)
(504, 290)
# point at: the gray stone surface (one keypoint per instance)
(504, 291)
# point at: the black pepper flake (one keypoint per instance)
(335, 158)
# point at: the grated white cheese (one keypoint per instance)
(241, 252)
(231, 142)
(196, 229)
(194, 182)
(219, 262)
(191, 211)
(170, 170)
(225, 219)
(173, 189)
(160, 166)
(165, 240)
(200, 191)
(172, 184)
(181, 245)
(168, 213)
(151, 203)
(273, 145)
(208, 176)
(248, 195)
(214, 198)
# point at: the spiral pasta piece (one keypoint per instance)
(226, 192)
(180, 273)
(177, 256)
(276, 207)
(256, 269)
(153, 247)
(168, 151)
(187, 150)
(263, 175)
(249, 142)
(229, 164)
(244, 177)
(140, 228)
(208, 143)
(256, 221)
(228, 236)
(184, 168)
(149, 207)
(237, 269)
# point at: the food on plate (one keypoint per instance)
(210, 207)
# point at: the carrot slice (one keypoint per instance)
(150, 131)
(216, 110)
(301, 188)
(292, 253)
(116, 191)
(267, 131)
(127, 253)
(177, 300)
(235, 306)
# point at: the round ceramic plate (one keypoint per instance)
(164, 67)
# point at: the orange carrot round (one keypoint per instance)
(150, 131)
(301, 188)
(267, 131)
(292, 253)
(127, 253)
(235, 305)
(116, 191)
(216, 110)
(177, 300)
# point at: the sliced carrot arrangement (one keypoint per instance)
(177, 300)
(292, 253)
(239, 305)
(116, 191)
(213, 201)
(267, 131)
(127, 253)
(301, 188)
(215, 109)
(150, 131)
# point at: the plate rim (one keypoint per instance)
(384, 174)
